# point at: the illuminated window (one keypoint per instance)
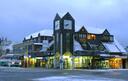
(88, 37)
(93, 37)
(115, 63)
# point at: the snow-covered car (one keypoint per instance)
(10, 60)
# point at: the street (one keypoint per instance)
(39, 74)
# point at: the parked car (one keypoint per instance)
(11, 60)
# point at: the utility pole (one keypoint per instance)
(61, 52)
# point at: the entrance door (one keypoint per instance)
(66, 63)
(38, 61)
(123, 63)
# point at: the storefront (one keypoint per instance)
(82, 62)
(100, 63)
(67, 60)
(50, 62)
(34, 62)
(115, 63)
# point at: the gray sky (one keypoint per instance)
(19, 18)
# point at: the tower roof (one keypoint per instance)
(57, 17)
(67, 16)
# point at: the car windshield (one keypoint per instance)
(12, 57)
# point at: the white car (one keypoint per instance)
(10, 60)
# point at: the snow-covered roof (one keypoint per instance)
(119, 46)
(111, 47)
(61, 14)
(91, 29)
(44, 32)
(10, 47)
(114, 47)
(51, 43)
(77, 46)
(37, 43)
(46, 45)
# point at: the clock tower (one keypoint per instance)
(57, 29)
(64, 29)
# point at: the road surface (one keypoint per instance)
(39, 74)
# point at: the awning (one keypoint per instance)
(88, 53)
(105, 55)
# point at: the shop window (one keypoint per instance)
(115, 63)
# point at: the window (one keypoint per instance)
(84, 35)
(111, 38)
(89, 37)
(81, 35)
(92, 37)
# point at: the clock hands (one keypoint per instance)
(66, 24)
(56, 25)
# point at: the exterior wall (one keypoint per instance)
(64, 54)
(20, 48)
(127, 64)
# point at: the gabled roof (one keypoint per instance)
(57, 17)
(91, 30)
(82, 29)
(114, 47)
(67, 16)
(44, 32)
(106, 32)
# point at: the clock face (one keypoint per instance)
(57, 25)
(67, 24)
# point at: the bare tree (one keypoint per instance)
(4, 42)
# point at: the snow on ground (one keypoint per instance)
(75, 78)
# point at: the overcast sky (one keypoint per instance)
(19, 18)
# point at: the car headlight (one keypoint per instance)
(20, 63)
(13, 62)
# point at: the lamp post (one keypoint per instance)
(61, 52)
(54, 52)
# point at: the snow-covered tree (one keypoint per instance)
(4, 43)
(126, 48)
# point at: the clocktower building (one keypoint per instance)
(64, 29)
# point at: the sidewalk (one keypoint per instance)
(43, 69)
(101, 70)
